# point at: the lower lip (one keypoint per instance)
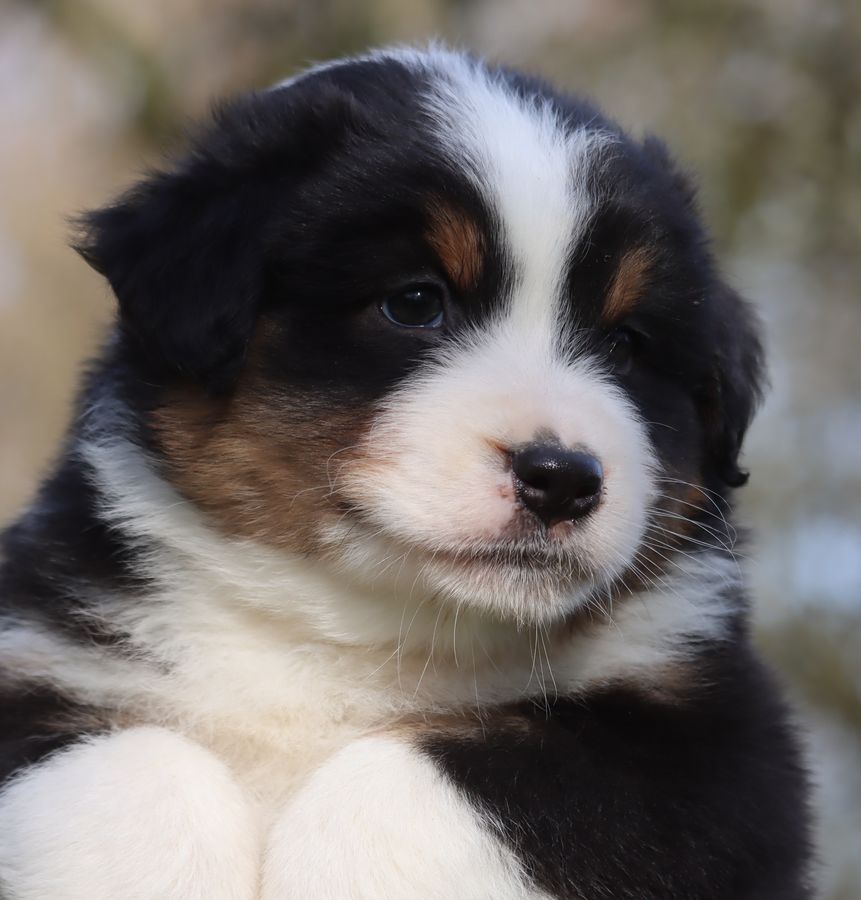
(508, 558)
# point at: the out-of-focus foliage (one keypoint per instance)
(761, 98)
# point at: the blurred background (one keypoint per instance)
(760, 98)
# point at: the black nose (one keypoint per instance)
(555, 483)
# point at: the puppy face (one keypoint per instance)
(436, 327)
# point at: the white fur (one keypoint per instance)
(251, 654)
(138, 815)
(378, 820)
(434, 480)
(536, 176)
(652, 635)
(277, 666)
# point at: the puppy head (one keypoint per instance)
(436, 327)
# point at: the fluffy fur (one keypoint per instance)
(282, 622)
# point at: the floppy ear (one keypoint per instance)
(731, 392)
(183, 254)
(658, 154)
(184, 250)
(733, 389)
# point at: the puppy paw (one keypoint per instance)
(379, 820)
(142, 814)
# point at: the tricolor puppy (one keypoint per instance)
(389, 554)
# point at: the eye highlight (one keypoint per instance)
(416, 306)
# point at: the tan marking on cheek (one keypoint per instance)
(263, 462)
(628, 284)
(695, 495)
(458, 242)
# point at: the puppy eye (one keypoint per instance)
(416, 306)
(624, 346)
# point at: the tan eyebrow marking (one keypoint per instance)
(458, 242)
(629, 283)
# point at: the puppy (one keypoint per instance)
(389, 553)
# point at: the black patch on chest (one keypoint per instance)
(616, 795)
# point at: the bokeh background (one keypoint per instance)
(761, 98)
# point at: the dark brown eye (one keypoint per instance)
(416, 306)
(624, 346)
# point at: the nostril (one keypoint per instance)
(587, 475)
(555, 483)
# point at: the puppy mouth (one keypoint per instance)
(525, 578)
(524, 555)
(535, 551)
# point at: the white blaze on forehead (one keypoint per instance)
(434, 474)
(533, 172)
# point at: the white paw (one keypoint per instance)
(379, 821)
(142, 814)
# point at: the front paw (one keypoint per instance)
(380, 821)
(142, 814)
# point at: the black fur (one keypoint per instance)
(621, 795)
(61, 552)
(300, 208)
(37, 721)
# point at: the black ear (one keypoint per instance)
(184, 251)
(733, 389)
(659, 156)
(183, 254)
(731, 392)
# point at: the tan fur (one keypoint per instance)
(628, 284)
(458, 242)
(669, 686)
(262, 461)
(468, 726)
